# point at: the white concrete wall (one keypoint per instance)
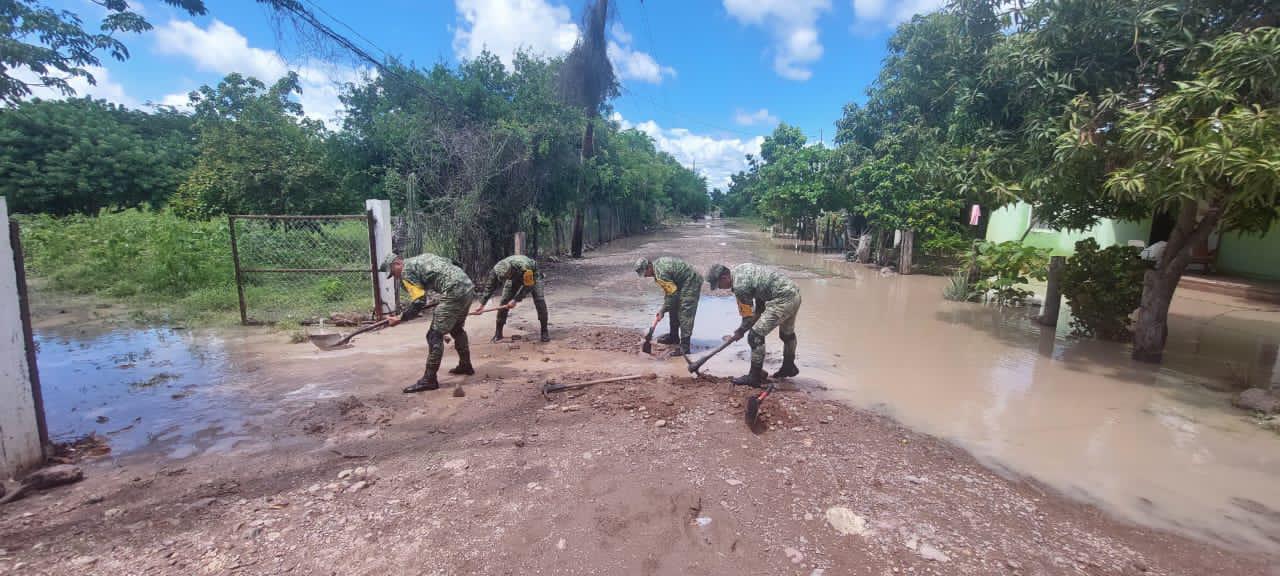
(19, 434)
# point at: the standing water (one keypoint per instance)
(147, 389)
(1153, 444)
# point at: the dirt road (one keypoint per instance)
(345, 475)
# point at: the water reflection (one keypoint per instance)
(141, 389)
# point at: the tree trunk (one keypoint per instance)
(576, 249)
(908, 244)
(1152, 328)
(863, 252)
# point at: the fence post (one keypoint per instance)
(519, 243)
(1053, 294)
(379, 248)
(235, 259)
(907, 246)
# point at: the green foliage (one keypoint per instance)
(959, 288)
(53, 46)
(149, 255)
(258, 154)
(1006, 267)
(81, 155)
(1103, 287)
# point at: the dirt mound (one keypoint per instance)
(608, 339)
(343, 413)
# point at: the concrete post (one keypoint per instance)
(382, 248)
(20, 444)
(1053, 293)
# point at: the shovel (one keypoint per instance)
(335, 341)
(499, 307)
(753, 406)
(695, 366)
(550, 387)
(647, 347)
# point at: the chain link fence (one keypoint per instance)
(303, 268)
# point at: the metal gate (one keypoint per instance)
(304, 268)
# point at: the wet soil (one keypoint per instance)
(344, 474)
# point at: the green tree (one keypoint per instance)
(53, 46)
(81, 156)
(258, 154)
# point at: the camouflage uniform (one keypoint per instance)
(518, 276)
(681, 287)
(431, 273)
(766, 300)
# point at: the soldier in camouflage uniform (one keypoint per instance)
(681, 286)
(518, 275)
(766, 300)
(431, 273)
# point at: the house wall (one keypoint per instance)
(1250, 256)
(1010, 222)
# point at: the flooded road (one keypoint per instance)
(1152, 444)
(142, 389)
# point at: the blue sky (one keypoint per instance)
(707, 79)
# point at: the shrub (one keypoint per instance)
(1004, 269)
(959, 289)
(1103, 287)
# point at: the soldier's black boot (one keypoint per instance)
(541, 306)
(682, 349)
(427, 382)
(788, 368)
(497, 333)
(754, 378)
(672, 337)
(464, 357)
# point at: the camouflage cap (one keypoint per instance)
(385, 267)
(641, 265)
(714, 273)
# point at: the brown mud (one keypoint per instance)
(343, 474)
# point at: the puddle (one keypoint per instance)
(1156, 445)
(153, 389)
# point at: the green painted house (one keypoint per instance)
(1249, 256)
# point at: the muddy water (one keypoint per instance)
(151, 389)
(1155, 445)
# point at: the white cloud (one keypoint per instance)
(761, 116)
(794, 26)
(631, 64)
(223, 49)
(504, 27)
(715, 158)
(177, 100)
(892, 12)
(104, 89)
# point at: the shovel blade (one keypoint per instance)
(647, 347)
(753, 410)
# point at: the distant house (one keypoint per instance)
(1249, 256)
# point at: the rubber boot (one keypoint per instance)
(682, 349)
(464, 363)
(755, 378)
(788, 368)
(427, 382)
(672, 337)
(541, 306)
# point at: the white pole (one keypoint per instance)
(382, 248)
(20, 447)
